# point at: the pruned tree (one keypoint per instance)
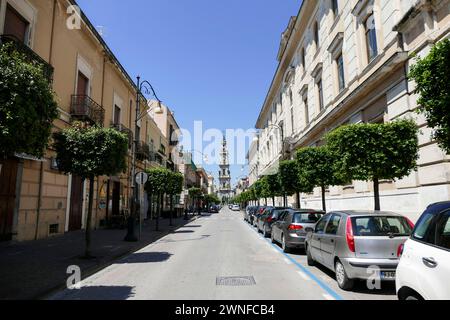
(316, 169)
(90, 152)
(174, 187)
(290, 182)
(27, 105)
(432, 78)
(374, 152)
(157, 184)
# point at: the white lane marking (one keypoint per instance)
(287, 261)
(328, 297)
(303, 275)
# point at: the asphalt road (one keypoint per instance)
(216, 257)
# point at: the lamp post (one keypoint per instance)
(148, 88)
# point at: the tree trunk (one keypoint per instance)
(376, 189)
(87, 252)
(265, 199)
(273, 200)
(171, 211)
(158, 210)
(324, 204)
(297, 197)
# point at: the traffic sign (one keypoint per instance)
(141, 178)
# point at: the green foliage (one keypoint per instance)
(91, 151)
(175, 183)
(316, 167)
(432, 77)
(368, 151)
(27, 105)
(212, 199)
(289, 178)
(274, 187)
(158, 181)
(195, 192)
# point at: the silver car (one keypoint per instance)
(358, 244)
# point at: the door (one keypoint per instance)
(284, 224)
(82, 85)
(316, 238)
(76, 204)
(329, 239)
(116, 199)
(15, 24)
(8, 178)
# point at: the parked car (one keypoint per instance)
(252, 212)
(213, 209)
(424, 267)
(268, 218)
(351, 242)
(257, 214)
(247, 213)
(291, 227)
(236, 207)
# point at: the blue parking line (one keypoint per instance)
(305, 270)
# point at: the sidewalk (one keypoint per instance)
(32, 270)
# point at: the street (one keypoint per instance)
(196, 261)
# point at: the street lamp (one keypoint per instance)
(143, 87)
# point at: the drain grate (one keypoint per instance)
(235, 281)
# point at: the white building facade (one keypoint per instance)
(346, 61)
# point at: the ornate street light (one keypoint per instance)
(146, 88)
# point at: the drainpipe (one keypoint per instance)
(39, 204)
(52, 33)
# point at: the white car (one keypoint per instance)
(424, 269)
(236, 207)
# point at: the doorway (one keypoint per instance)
(8, 179)
(76, 204)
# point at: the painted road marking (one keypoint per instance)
(324, 286)
(287, 261)
(304, 276)
(328, 297)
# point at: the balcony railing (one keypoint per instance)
(30, 55)
(123, 129)
(84, 108)
(143, 151)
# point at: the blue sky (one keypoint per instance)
(209, 60)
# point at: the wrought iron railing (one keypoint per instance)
(30, 55)
(123, 129)
(142, 151)
(82, 107)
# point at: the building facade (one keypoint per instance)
(36, 199)
(346, 61)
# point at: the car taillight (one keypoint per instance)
(295, 227)
(349, 235)
(400, 250)
(269, 219)
(411, 224)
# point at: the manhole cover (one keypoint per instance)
(235, 281)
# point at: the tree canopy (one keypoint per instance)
(432, 78)
(27, 105)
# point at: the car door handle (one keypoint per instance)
(332, 241)
(430, 262)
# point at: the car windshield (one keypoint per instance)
(307, 217)
(380, 226)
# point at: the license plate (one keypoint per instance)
(388, 275)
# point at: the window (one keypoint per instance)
(333, 225)
(82, 84)
(116, 114)
(371, 38)
(322, 223)
(379, 226)
(304, 58)
(301, 217)
(340, 72)
(15, 24)
(335, 7)
(291, 99)
(305, 103)
(320, 93)
(443, 231)
(423, 228)
(316, 34)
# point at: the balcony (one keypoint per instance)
(30, 56)
(123, 129)
(84, 108)
(142, 151)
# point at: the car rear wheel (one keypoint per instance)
(309, 258)
(341, 277)
(284, 245)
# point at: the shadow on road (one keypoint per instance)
(190, 226)
(183, 231)
(99, 293)
(146, 257)
(202, 237)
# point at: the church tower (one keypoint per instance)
(224, 174)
